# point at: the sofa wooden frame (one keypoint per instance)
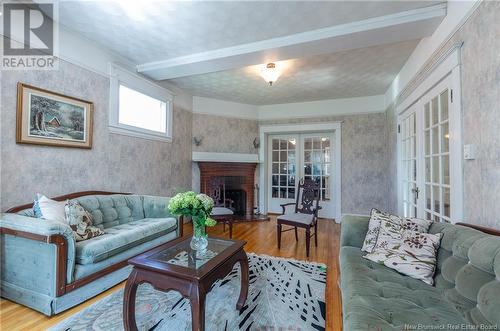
(62, 248)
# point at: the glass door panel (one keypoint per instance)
(318, 166)
(283, 170)
(408, 162)
(437, 156)
(297, 156)
(428, 184)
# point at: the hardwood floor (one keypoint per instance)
(261, 239)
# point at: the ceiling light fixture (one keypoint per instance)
(133, 8)
(270, 73)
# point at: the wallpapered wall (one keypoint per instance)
(224, 134)
(364, 161)
(481, 114)
(115, 162)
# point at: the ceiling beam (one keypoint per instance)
(407, 25)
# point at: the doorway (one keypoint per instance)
(430, 157)
(294, 156)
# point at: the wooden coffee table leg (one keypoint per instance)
(244, 281)
(197, 298)
(230, 230)
(129, 302)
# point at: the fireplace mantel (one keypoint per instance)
(225, 157)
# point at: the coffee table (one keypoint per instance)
(174, 266)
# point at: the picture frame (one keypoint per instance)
(52, 119)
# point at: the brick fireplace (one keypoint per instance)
(239, 181)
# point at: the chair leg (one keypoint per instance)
(316, 234)
(230, 225)
(296, 235)
(308, 240)
(279, 236)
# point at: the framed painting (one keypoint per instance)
(52, 119)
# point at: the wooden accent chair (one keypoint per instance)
(305, 214)
(216, 189)
(223, 208)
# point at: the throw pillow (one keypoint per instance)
(49, 209)
(80, 222)
(377, 217)
(409, 252)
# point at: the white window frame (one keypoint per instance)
(120, 76)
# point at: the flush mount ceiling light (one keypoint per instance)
(136, 10)
(270, 73)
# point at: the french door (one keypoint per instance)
(295, 156)
(429, 139)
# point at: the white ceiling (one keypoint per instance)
(168, 35)
(354, 73)
(161, 30)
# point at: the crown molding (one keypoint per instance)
(310, 109)
(458, 14)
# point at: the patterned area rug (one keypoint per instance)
(284, 294)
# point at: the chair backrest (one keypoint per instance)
(307, 196)
(216, 189)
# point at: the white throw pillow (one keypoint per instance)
(377, 217)
(49, 209)
(409, 252)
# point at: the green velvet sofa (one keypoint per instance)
(466, 295)
(44, 268)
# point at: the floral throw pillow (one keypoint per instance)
(80, 222)
(409, 252)
(377, 217)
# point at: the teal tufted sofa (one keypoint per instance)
(466, 295)
(44, 268)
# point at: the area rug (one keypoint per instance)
(284, 294)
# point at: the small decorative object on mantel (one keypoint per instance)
(197, 140)
(198, 207)
(256, 143)
(53, 119)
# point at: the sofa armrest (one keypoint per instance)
(353, 230)
(47, 232)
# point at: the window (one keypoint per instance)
(142, 111)
(139, 107)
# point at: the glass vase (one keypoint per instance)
(199, 242)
